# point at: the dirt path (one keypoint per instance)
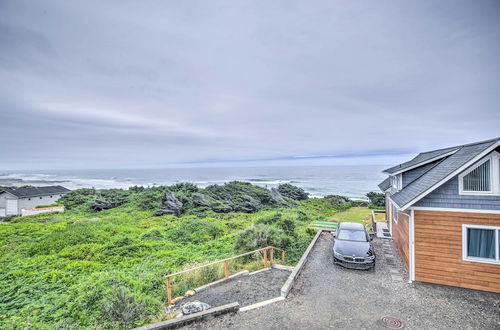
(328, 296)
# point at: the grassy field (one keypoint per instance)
(354, 214)
(89, 270)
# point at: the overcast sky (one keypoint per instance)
(94, 84)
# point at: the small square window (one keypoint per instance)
(481, 243)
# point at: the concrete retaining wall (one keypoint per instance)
(42, 210)
(285, 289)
(187, 319)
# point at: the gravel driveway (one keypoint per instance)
(328, 296)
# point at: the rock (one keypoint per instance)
(170, 205)
(278, 199)
(201, 200)
(189, 293)
(176, 300)
(194, 307)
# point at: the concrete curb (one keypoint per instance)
(184, 320)
(260, 304)
(231, 277)
(283, 267)
(285, 289)
(259, 271)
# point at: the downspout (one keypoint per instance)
(411, 232)
(410, 245)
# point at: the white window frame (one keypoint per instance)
(465, 257)
(494, 159)
(397, 182)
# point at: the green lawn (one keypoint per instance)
(380, 217)
(354, 214)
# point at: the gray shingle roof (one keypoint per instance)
(421, 158)
(36, 191)
(386, 184)
(440, 171)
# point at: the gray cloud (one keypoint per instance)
(154, 83)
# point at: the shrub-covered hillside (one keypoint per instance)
(101, 263)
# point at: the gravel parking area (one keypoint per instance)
(329, 296)
(245, 290)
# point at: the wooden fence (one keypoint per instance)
(374, 219)
(266, 251)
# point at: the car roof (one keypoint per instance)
(351, 225)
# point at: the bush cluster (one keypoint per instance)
(187, 198)
(377, 200)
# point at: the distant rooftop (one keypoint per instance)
(36, 191)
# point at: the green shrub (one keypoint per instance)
(376, 199)
(259, 236)
(48, 205)
(195, 231)
(78, 198)
(120, 307)
(293, 192)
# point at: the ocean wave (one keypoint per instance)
(268, 181)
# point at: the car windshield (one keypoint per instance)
(352, 235)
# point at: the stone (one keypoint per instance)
(397, 278)
(194, 307)
(189, 293)
(176, 300)
(170, 205)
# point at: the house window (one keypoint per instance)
(483, 178)
(481, 243)
(396, 182)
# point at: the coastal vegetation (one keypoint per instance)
(101, 264)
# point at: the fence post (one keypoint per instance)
(271, 257)
(265, 257)
(169, 290)
(282, 257)
(226, 269)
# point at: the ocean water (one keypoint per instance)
(350, 181)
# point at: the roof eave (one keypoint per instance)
(8, 192)
(422, 163)
(451, 175)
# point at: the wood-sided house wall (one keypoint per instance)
(438, 250)
(400, 231)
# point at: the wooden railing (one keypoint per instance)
(226, 265)
(374, 219)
